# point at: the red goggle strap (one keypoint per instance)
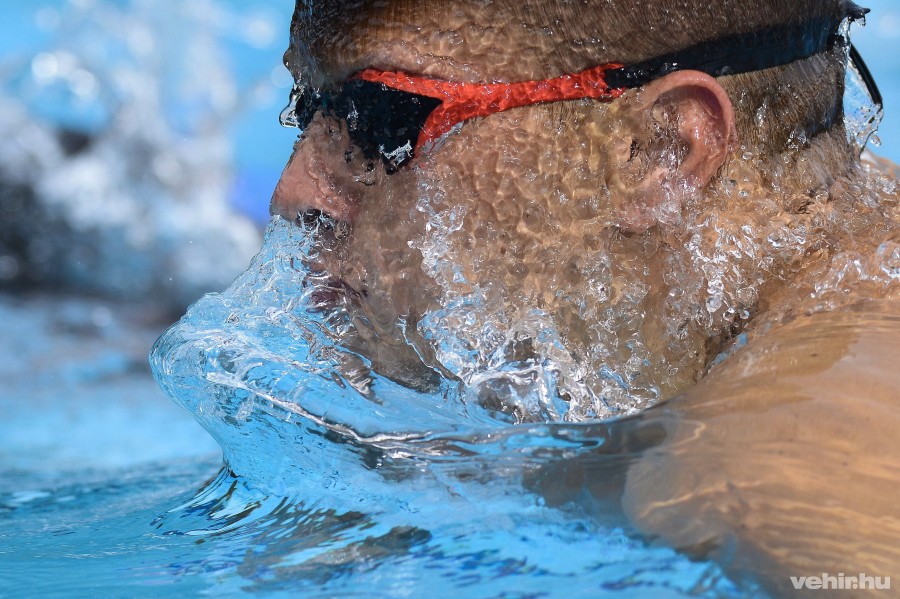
(463, 101)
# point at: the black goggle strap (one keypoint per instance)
(753, 51)
(859, 65)
(387, 122)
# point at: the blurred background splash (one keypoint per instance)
(139, 145)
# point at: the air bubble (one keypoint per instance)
(889, 259)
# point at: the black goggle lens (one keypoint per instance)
(381, 121)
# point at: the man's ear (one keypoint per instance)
(675, 134)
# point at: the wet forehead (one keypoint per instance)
(473, 40)
(515, 40)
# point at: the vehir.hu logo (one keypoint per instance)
(841, 582)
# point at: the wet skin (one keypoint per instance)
(541, 208)
(781, 461)
(785, 463)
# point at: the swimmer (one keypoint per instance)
(669, 192)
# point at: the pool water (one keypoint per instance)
(116, 493)
(107, 488)
(156, 529)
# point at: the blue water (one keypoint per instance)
(367, 526)
(149, 531)
(107, 488)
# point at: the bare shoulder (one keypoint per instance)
(785, 460)
(847, 359)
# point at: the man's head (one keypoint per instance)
(561, 237)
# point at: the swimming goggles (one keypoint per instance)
(397, 115)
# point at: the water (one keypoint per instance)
(121, 537)
(338, 482)
(87, 534)
(116, 494)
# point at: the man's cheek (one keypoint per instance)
(381, 261)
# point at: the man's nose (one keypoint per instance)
(317, 176)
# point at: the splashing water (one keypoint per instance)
(506, 345)
(280, 340)
(339, 478)
(262, 345)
